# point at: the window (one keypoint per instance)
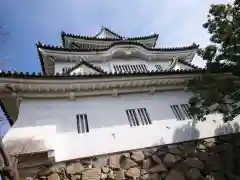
(158, 67)
(137, 117)
(82, 123)
(177, 112)
(181, 111)
(65, 70)
(126, 68)
(185, 108)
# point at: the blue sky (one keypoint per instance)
(179, 23)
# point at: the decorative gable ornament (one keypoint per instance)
(128, 52)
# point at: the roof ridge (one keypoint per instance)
(112, 32)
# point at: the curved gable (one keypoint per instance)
(84, 68)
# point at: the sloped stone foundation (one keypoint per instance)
(208, 159)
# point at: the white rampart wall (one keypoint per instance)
(52, 124)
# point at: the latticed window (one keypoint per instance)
(137, 117)
(127, 68)
(65, 70)
(158, 67)
(181, 111)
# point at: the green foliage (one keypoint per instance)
(211, 93)
(223, 24)
(214, 94)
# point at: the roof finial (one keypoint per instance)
(102, 26)
(39, 43)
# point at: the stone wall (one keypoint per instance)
(208, 159)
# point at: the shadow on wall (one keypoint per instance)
(227, 129)
(185, 133)
(189, 132)
(24, 146)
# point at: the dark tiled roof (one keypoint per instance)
(101, 75)
(107, 39)
(87, 64)
(143, 37)
(188, 64)
(11, 74)
(86, 37)
(57, 48)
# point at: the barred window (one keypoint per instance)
(137, 117)
(126, 68)
(82, 123)
(65, 70)
(185, 109)
(158, 67)
(181, 111)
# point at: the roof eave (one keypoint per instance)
(105, 74)
(191, 47)
(155, 36)
(64, 35)
(118, 38)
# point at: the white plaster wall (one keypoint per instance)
(83, 69)
(108, 66)
(54, 122)
(59, 65)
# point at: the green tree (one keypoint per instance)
(212, 93)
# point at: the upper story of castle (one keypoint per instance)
(108, 52)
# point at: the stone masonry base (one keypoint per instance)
(208, 159)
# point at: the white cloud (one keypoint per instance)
(180, 22)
